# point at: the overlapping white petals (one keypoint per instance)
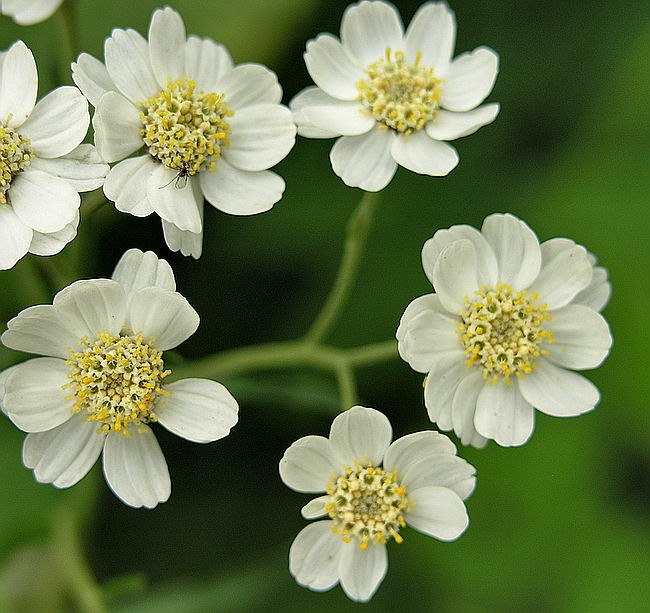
(15, 238)
(206, 61)
(250, 85)
(361, 572)
(83, 168)
(117, 127)
(92, 78)
(126, 184)
(174, 203)
(137, 270)
(438, 512)
(52, 243)
(167, 45)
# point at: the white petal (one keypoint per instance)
(40, 329)
(135, 468)
(91, 77)
(29, 12)
(127, 60)
(314, 557)
(364, 161)
(447, 371)
(503, 415)
(426, 329)
(438, 512)
(368, 28)
(421, 154)
(15, 238)
(167, 45)
(53, 242)
(463, 409)
(262, 135)
(562, 277)
(455, 274)
(432, 32)
(308, 465)
(164, 315)
(117, 127)
(582, 335)
(136, 270)
(83, 168)
(58, 123)
(429, 458)
(64, 455)
(198, 410)
(126, 185)
(516, 248)
(34, 396)
(310, 96)
(206, 61)
(315, 508)
(360, 571)
(449, 125)
(249, 85)
(3, 377)
(188, 243)
(239, 192)
(360, 434)
(469, 79)
(174, 203)
(91, 306)
(43, 202)
(559, 392)
(18, 85)
(487, 271)
(596, 295)
(315, 108)
(332, 68)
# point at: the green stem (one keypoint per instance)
(357, 233)
(56, 272)
(347, 386)
(68, 20)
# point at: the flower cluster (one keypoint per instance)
(177, 123)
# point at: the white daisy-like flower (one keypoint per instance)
(104, 380)
(43, 165)
(509, 323)
(29, 12)
(395, 98)
(372, 490)
(202, 127)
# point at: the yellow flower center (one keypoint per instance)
(399, 95)
(184, 128)
(503, 331)
(116, 380)
(15, 156)
(367, 505)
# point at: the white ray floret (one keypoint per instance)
(43, 165)
(29, 12)
(371, 490)
(103, 381)
(509, 323)
(394, 97)
(200, 127)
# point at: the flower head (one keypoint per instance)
(43, 165)
(104, 381)
(394, 97)
(202, 128)
(372, 490)
(509, 322)
(29, 12)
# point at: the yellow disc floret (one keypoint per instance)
(184, 128)
(15, 155)
(116, 380)
(399, 95)
(503, 331)
(367, 505)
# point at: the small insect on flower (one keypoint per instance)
(180, 180)
(372, 490)
(105, 381)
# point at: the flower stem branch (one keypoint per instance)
(357, 233)
(68, 19)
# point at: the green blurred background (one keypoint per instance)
(560, 524)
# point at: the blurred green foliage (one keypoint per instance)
(560, 524)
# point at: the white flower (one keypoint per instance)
(104, 380)
(43, 166)
(509, 322)
(394, 97)
(372, 490)
(205, 128)
(29, 12)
